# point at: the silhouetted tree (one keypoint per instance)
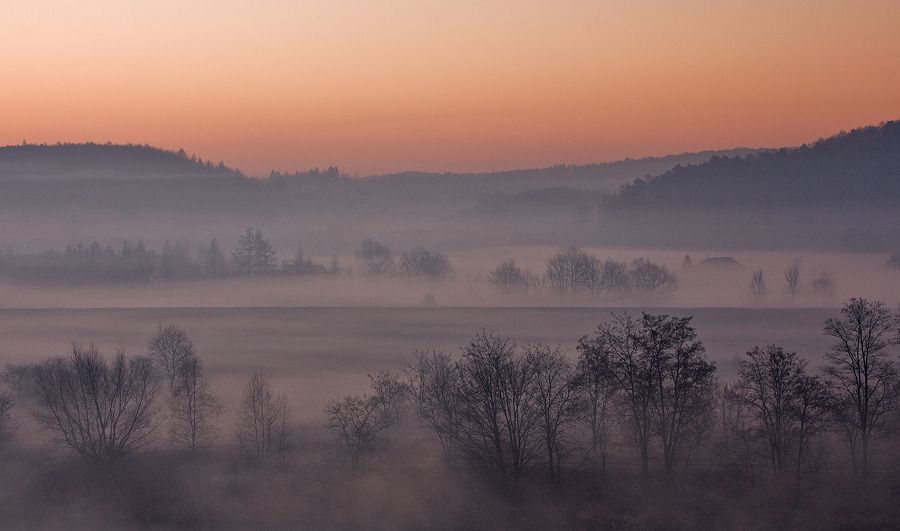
(647, 277)
(254, 255)
(860, 373)
(758, 285)
(571, 270)
(357, 420)
(392, 394)
(102, 410)
(194, 407)
(598, 391)
(421, 262)
(509, 276)
(170, 347)
(792, 279)
(262, 419)
(435, 384)
(375, 257)
(555, 396)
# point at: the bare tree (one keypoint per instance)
(792, 279)
(194, 408)
(613, 276)
(682, 383)
(555, 395)
(375, 257)
(434, 382)
(812, 406)
(357, 420)
(262, 419)
(571, 270)
(619, 341)
(823, 284)
(770, 377)
(497, 416)
(758, 285)
(420, 262)
(509, 276)
(102, 410)
(859, 371)
(392, 394)
(598, 391)
(170, 347)
(647, 277)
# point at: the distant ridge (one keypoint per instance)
(859, 167)
(102, 161)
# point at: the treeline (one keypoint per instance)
(572, 271)
(643, 385)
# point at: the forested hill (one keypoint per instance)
(102, 161)
(857, 168)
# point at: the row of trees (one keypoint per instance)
(572, 271)
(376, 258)
(645, 382)
(821, 284)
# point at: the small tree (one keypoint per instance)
(648, 277)
(758, 285)
(420, 262)
(194, 408)
(262, 419)
(357, 420)
(375, 258)
(571, 270)
(598, 391)
(102, 410)
(554, 395)
(392, 394)
(254, 255)
(435, 385)
(509, 276)
(170, 347)
(213, 260)
(792, 279)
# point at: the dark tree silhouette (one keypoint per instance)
(262, 420)
(357, 420)
(375, 258)
(102, 410)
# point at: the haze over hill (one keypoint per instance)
(699, 200)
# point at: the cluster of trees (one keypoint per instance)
(572, 271)
(376, 258)
(647, 384)
(643, 383)
(822, 284)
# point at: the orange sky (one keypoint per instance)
(375, 86)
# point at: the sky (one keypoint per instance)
(380, 86)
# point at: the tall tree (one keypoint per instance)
(861, 374)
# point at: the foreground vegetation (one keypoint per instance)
(634, 432)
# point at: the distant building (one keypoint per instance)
(720, 262)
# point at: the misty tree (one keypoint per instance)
(194, 408)
(262, 419)
(648, 277)
(254, 255)
(103, 410)
(420, 262)
(375, 257)
(612, 276)
(682, 381)
(392, 395)
(169, 348)
(435, 385)
(823, 284)
(571, 270)
(497, 419)
(213, 260)
(861, 374)
(598, 391)
(334, 267)
(357, 420)
(737, 448)
(509, 276)
(555, 396)
(7, 425)
(792, 279)
(758, 285)
(786, 403)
